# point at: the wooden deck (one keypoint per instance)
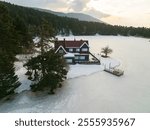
(116, 72)
(89, 62)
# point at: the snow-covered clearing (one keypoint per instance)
(84, 70)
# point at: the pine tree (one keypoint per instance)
(8, 80)
(8, 36)
(46, 33)
(54, 71)
(8, 49)
(24, 36)
(47, 70)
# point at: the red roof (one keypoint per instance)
(70, 44)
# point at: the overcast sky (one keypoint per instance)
(124, 12)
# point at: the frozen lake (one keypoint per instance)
(100, 91)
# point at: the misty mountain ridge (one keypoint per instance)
(79, 16)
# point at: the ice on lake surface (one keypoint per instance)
(100, 91)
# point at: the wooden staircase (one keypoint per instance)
(95, 58)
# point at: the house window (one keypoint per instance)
(69, 60)
(85, 49)
(61, 51)
(70, 50)
(77, 50)
(76, 57)
(82, 57)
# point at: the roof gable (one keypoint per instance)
(84, 44)
(60, 48)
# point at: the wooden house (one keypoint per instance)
(74, 51)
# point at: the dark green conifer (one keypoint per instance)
(8, 49)
(8, 80)
(47, 70)
(53, 74)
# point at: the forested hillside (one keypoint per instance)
(29, 19)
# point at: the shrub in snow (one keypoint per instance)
(106, 50)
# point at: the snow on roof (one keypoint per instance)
(69, 55)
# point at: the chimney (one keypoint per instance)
(64, 43)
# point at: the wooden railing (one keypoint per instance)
(88, 62)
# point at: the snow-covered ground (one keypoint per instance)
(89, 89)
(84, 70)
(75, 71)
(20, 71)
(25, 83)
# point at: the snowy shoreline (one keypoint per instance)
(75, 71)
